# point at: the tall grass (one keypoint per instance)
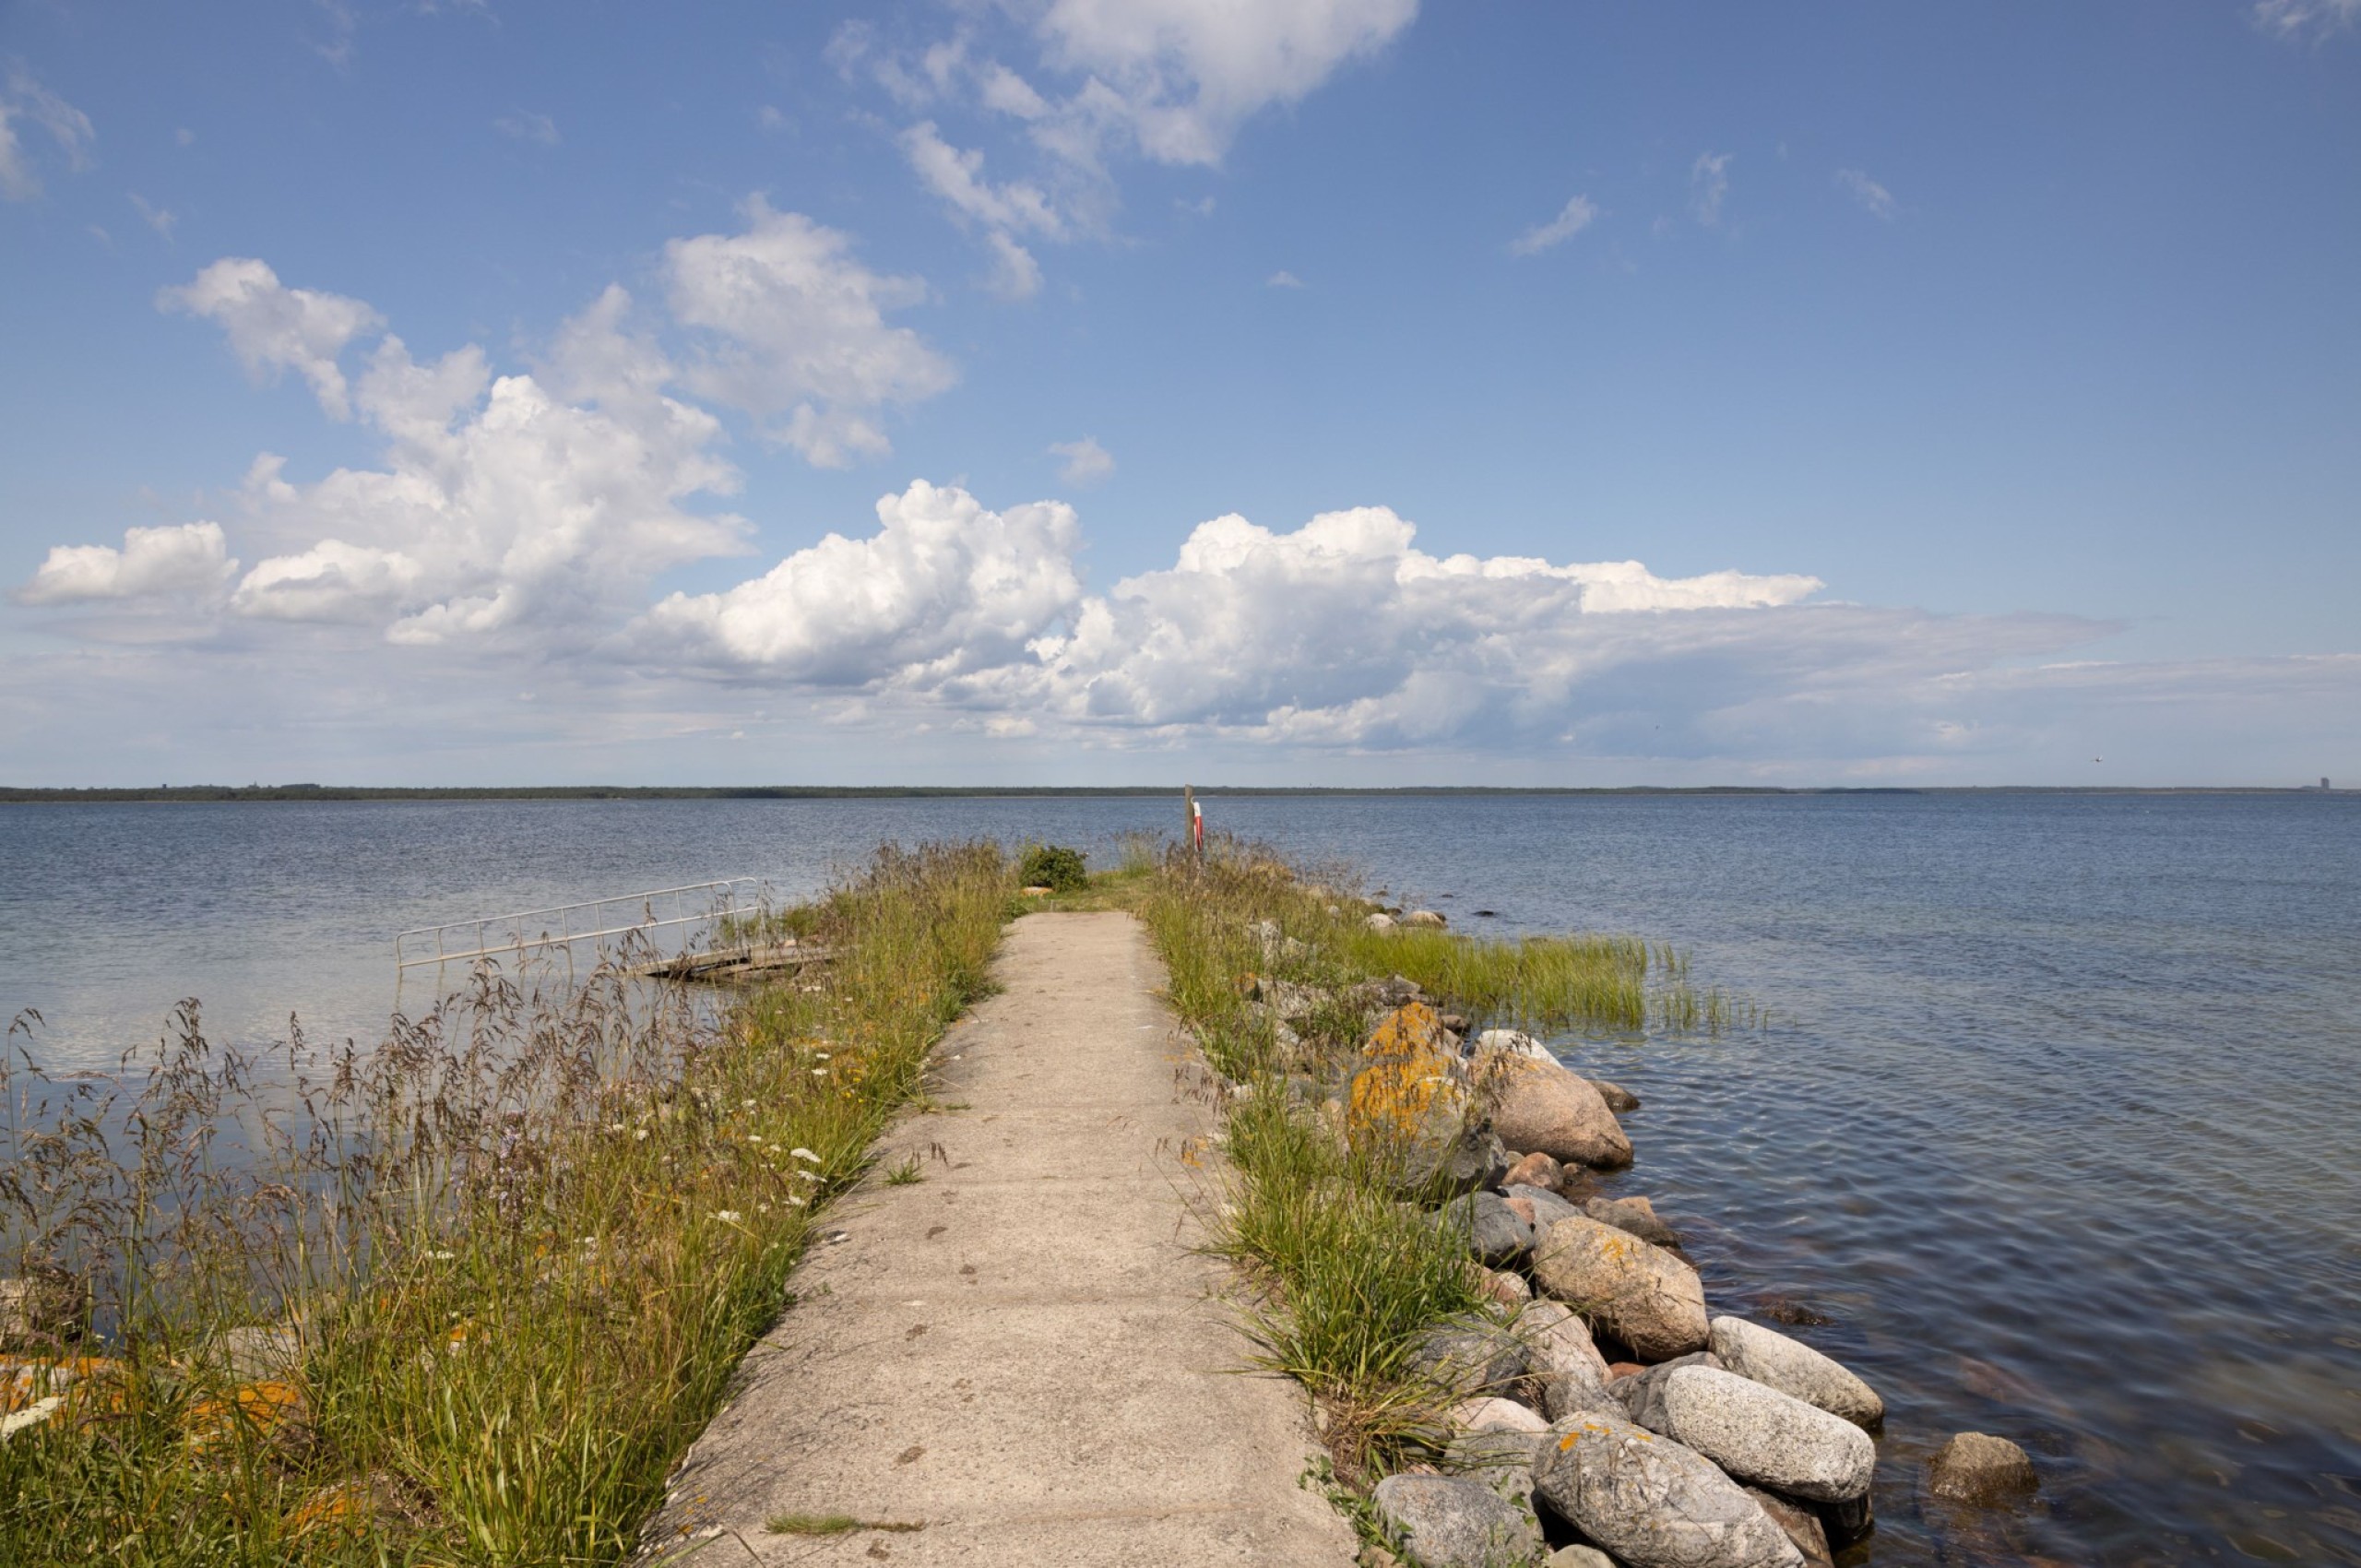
(496, 1272)
(1347, 1277)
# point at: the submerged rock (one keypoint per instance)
(1793, 1367)
(1652, 1502)
(1976, 1466)
(1643, 1295)
(1635, 1215)
(1756, 1433)
(1452, 1522)
(1540, 1106)
(1619, 1098)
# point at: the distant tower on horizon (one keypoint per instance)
(2324, 780)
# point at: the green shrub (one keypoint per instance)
(1055, 867)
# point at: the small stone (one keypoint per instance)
(1520, 1208)
(1429, 919)
(1801, 1524)
(1377, 920)
(1500, 1457)
(1619, 1098)
(1575, 1556)
(1618, 1370)
(253, 1354)
(1503, 1289)
(1793, 1367)
(1535, 1169)
(1547, 1206)
(1452, 1522)
(1635, 1215)
(1505, 1415)
(1515, 1042)
(1976, 1466)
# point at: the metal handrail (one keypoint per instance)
(724, 894)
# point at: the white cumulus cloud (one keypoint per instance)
(944, 587)
(1571, 219)
(193, 558)
(2297, 18)
(24, 99)
(796, 333)
(272, 328)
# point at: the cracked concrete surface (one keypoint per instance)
(1021, 1352)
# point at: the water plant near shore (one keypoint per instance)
(463, 1297)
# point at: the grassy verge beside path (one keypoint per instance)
(1343, 1276)
(465, 1299)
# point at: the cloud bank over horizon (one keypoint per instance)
(522, 522)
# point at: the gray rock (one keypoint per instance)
(1452, 1522)
(1653, 1502)
(255, 1355)
(1976, 1466)
(1757, 1433)
(1636, 1215)
(1558, 1343)
(1468, 1356)
(1515, 1042)
(1637, 1393)
(1802, 1526)
(1619, 1098)
(1578, 1557)
(1535, 1169)
(1573, 1394)
(1540, 1106)
(1500, 1457)
(1494, 1232)
(1467, 1157)
(1548, 1207)
(1430, 920)
(1377, 920)
(1643, 1295)
(1490, 1413)
(1793, 1367)
(42, 1308)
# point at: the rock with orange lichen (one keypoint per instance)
(272, 1409)
(1408, 1102)
(1643, 1295)
(1652, 1502)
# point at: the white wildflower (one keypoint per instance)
(800, 1152)
(728, 1216)
(442, 1257)
(641, 1135)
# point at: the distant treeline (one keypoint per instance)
(167, 795)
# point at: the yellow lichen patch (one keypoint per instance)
(1412, 1030)
(1399, 1098)
(345, 1508)
(260, 1407)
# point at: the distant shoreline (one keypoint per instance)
(206, 793)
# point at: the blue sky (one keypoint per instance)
(1073, 391)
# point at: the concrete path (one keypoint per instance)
(1021, 1352)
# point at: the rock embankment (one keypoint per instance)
(1598, 1408)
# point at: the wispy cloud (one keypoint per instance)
(1874, 198)
(68, 129)
(2306, 18)
(1282, 278)
(1709, 187)
(1086, 462)
(526, 126)
(160, 218)
(1571, 219)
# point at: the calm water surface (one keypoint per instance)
(2057, 1120)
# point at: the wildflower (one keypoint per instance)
(822, 1055)
(800, 1152)
(728, 1216)
(796, 1202)
(619, 1127)
(442, 1257)
(747, 1103)
(761, 1208)
(819, 1071)
(809, 1175)
(640, 1135)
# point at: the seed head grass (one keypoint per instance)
(504, 1264)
